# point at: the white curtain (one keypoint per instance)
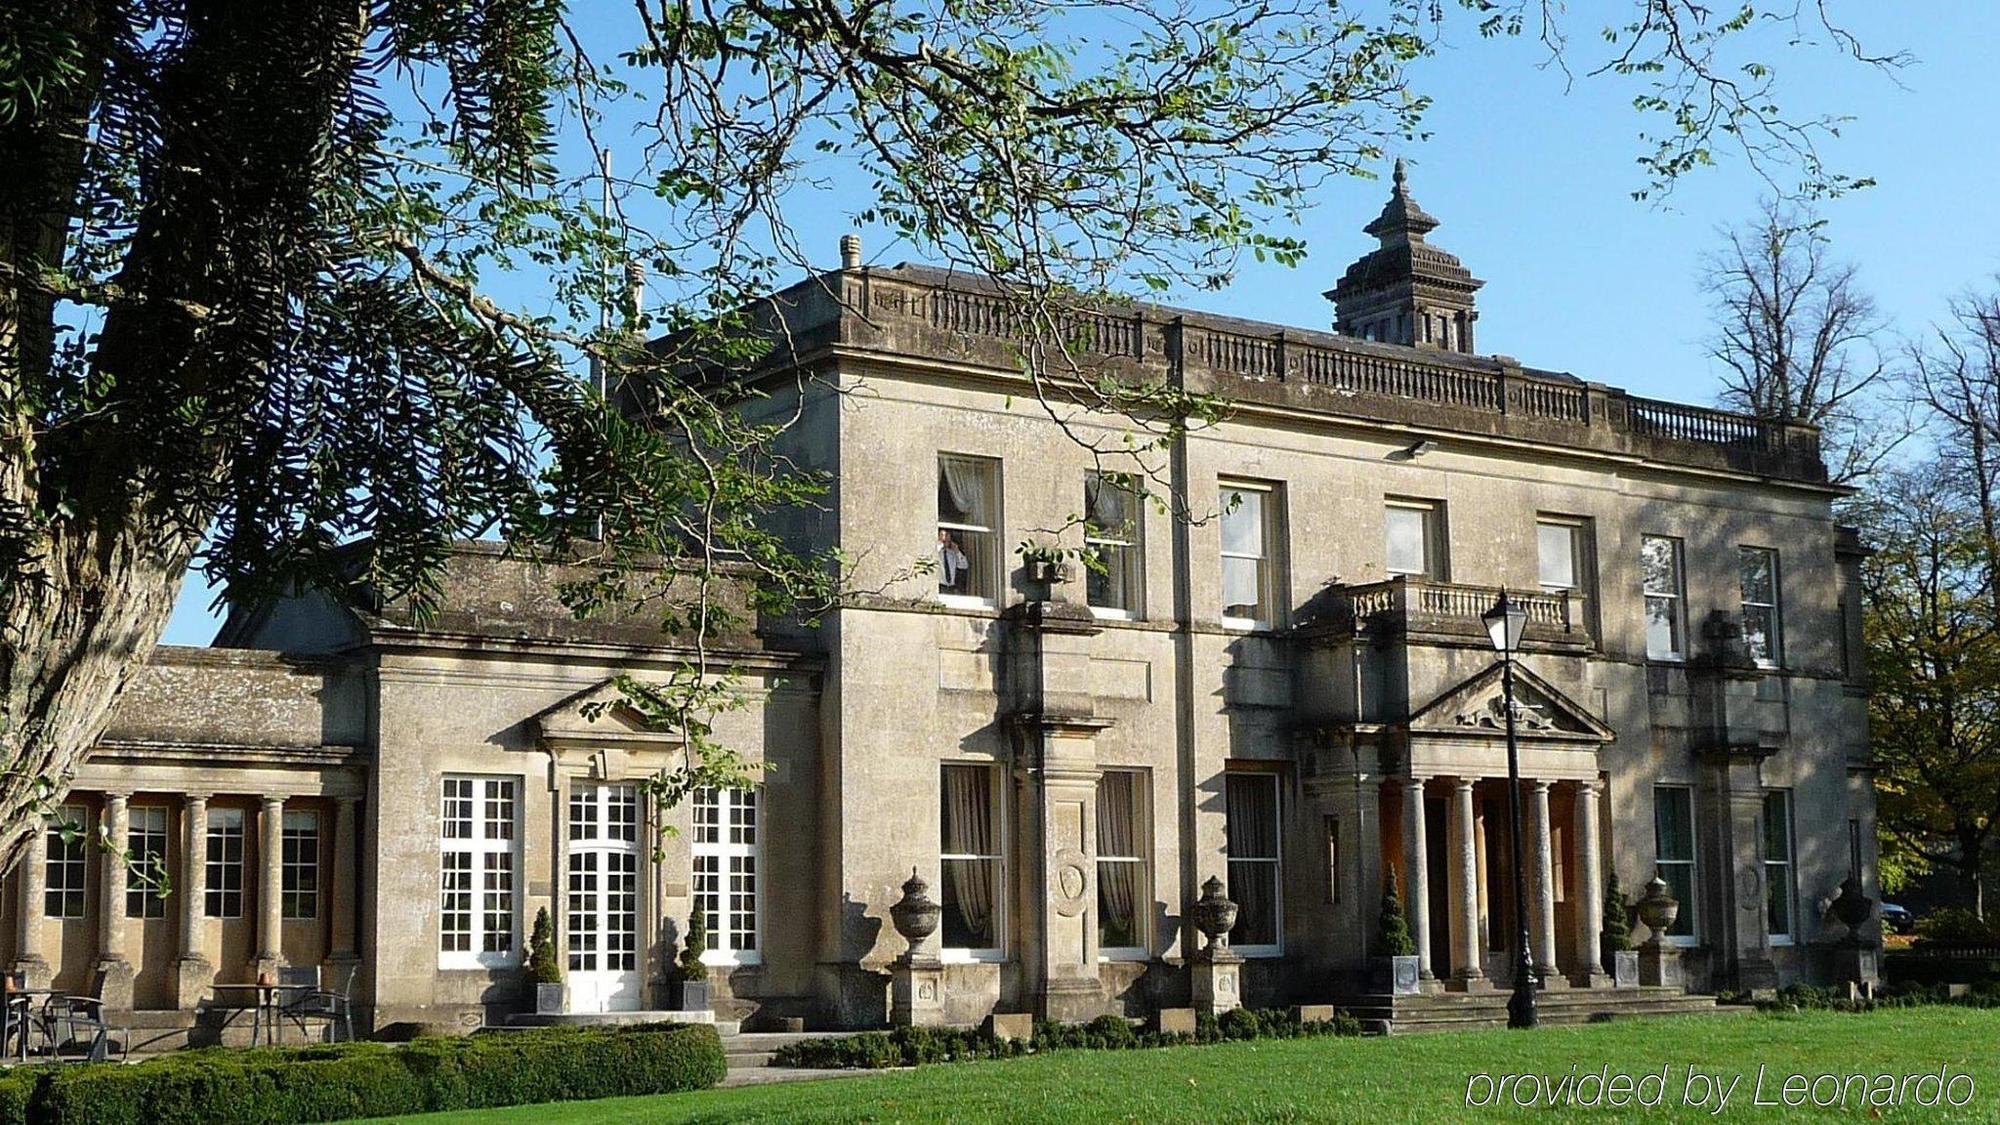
(1104, 501)
(969, 831)
(964, 489)
(1117, 883)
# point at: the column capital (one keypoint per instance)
(197, 798)
(1588, 788)
(1463, 784)
(117, 798)
(1540, 785)
(347, 800)
(272, 802)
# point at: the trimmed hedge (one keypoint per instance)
(1810, 997)
(915, 1046)
(223, 1086)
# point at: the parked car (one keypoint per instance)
(1897, 919)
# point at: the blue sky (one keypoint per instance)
(1532, 182)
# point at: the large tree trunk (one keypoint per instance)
(72, 645)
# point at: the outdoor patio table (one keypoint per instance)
(266, 1000)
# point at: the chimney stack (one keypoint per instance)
(635, 289)
(850, 251)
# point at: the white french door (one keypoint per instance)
(603, 916)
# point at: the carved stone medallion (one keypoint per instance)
(1069, 882)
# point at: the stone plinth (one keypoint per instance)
(1218, 981)
(916, 993)
(1660, 966)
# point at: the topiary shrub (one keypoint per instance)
(544, 967)
(1616, 933)
(1392, 929)
(689, 967)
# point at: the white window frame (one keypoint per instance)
(147, 829)
(1269, 563)
(1142, 843)
(1276, 861)
(297, 893)
(66, 869)
(1782, 872)
(1775, 639)
(1128, 541)
(990, 598)
(603, 853)
(997, 793)
(1690, 901)
(728, 830)
(486, 838)
(1677, 596)
(222, 874)
(1436, 538)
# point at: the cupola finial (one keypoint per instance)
(1407, 290)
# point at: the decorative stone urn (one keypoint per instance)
(1852, 909)
(1658, 909)
(916, 979)
(915, 916)
(1214, 915)
(1217, 971)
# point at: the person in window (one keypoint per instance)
(952, 565)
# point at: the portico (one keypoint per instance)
(1455, 771)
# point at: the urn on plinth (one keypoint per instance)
(1852, 909)
(915, 916)
(1658, 909)
(1214, 916)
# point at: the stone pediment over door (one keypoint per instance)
(1541, 711)
(615, 725)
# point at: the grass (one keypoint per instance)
(1420, 1078)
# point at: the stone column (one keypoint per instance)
(1589, 972)
(193, 972)
(1416, 857)
(1542, 886)
(114, 964)
(271, 886)
(1469, 973)
(29, 960)
(343, 893)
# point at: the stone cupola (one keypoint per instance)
(1406, 291)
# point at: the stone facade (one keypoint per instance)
(1292, 704)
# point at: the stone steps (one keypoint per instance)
(750, 1053)
(1452, 1011)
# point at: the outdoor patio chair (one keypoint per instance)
(17, 1034)
(331, 1007)
(76, 1029)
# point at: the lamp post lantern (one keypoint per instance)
(1505, 623)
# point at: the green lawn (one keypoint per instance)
(1421, 1078)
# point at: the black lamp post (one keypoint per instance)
(1505, 623)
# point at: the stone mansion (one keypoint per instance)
(1291, 692)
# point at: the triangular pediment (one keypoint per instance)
(615, 721)
(1541, 710)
